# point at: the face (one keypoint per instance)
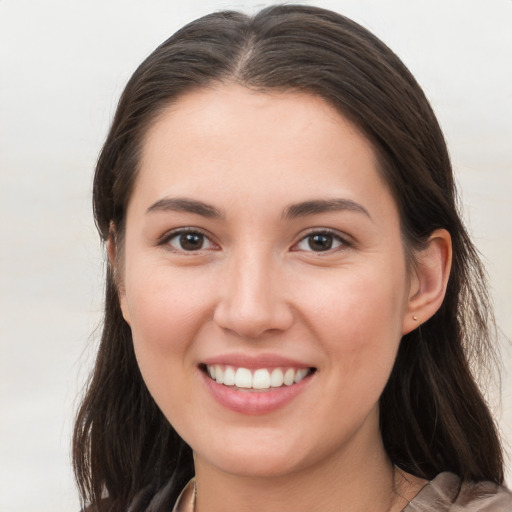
(264, 280)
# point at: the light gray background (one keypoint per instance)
(63, 64)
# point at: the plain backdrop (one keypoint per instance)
(63, 64)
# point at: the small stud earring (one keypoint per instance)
(415, 318)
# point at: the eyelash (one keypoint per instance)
(176, 234)
(334, 237)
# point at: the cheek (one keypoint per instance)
(358, 318)
(164, 306)
(356, 302)
(166, 313)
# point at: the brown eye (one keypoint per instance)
(320, 242)
(189, 241)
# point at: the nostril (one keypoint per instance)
(253, 321)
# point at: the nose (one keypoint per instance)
(253, 299)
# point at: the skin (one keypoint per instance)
(256, 287)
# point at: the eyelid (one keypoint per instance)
(163, 241)
(345, 240)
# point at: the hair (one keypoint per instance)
(433, 417)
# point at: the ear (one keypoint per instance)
(429, 280)
(115, 265)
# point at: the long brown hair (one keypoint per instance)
(432, 414)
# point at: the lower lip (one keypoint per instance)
(254, 402)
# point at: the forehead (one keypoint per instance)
(254, 143)
(210, 112)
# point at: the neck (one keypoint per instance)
(362, 480)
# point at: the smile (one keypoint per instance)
(258, 379)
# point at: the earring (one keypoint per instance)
(415, 318)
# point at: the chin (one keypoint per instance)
(258, 456)
(245, 454)
(257, 465)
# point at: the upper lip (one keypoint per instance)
(254, 362)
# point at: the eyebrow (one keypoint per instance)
(323, 205)
(179, 204)
(302, 209)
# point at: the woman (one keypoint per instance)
(293, 304)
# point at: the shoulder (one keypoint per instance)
(484, 497)
(446, 493)
(172, 496)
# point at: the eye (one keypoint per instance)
(320, 241)
(189, 241)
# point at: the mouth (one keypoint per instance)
(259, 379)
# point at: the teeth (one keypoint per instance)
(289, 377)
(243, 378)
(276, 379)
(219, 375)
(261, 378)
(229, 376)
(300, 374)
